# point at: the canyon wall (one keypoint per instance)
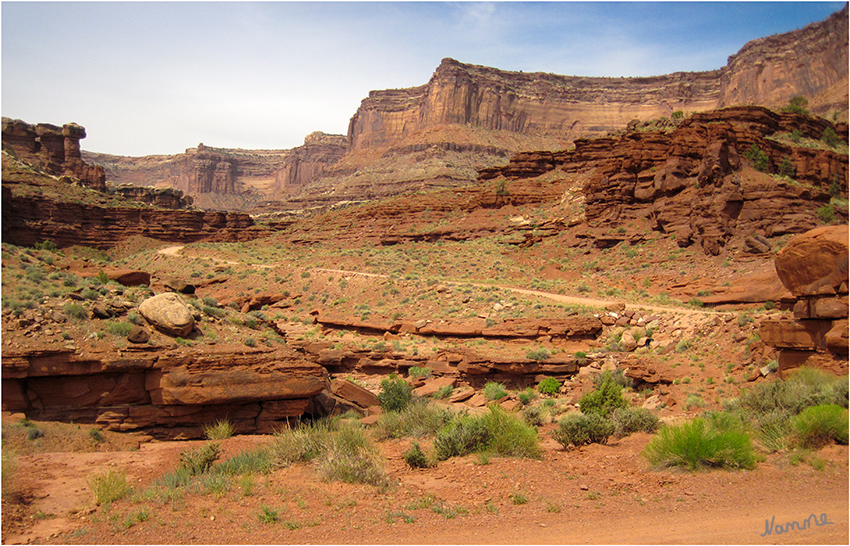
(468, 117)
(206, 173)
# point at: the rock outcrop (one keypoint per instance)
(168, 395)
(56, 150)
(29, 220)
(168, 198)
(814, 268)
(692, 182)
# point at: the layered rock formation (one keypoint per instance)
(692, 182)
(56, 150)
(814, 268)
(168, 198)
(31, 219)
(228, 178)
(168, 395)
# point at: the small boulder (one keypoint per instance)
(176, 285)
(138, 335)
(169, 314)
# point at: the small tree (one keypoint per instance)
(797, 105)
(759, 159)
(830, 137)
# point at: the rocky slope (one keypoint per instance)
(470, 117)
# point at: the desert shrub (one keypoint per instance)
(817, 426)
(462, 435)
(395, 393)
(34, 433)
(502, 187)
(786, 168)
(417, 372)
(583, 428)
(250, 342)
(444, 392)
(581, 357)
(76, 311)
(109, 487)
(797, 104)
(416, 458)
(495, 431)
(418, 419)
(701, 443)
(826, 214)
(302, 443)
(616, 375)
(534, 415)
(120, 329)
(605, 398)
(494, 391)
(830, 137)
(804, 388)
(257, 461)
(548, 385)
(510, 436)
(629, 420)
(759, 159)
(352, 458)
(268, 514)
(96, 435)
(211, 311)
(220, 430)
(89, 294)
(526, 396)
(199, 460)
(541, 353)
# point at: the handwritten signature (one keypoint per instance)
(770, 528)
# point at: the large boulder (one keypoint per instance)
(815, 262)
(168, 314)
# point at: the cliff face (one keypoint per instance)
(543, 104)
(811, 62)
(245, 176)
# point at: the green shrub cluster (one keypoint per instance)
(495, 431)
(417, 419)
(395, 393)
(548, 385)
(578, 429)
(759, 159)
(494, 391)
(702, 443)
(416, 458)
(605, 398)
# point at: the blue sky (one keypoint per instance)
(159, 77)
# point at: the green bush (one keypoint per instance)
(583, 428)
(395, 393)
(444, 392)
(797, 104)
(826, 214)
(417, 420)
(817, 426)
(629, 420)
(462, 435)
(759, 159)
(257, 461)
(605, 398)
(416, 372)
(415, 458)
(494, 391)
(199, 460)
(301, 443)
(221, 430)
(701, 443)
(548, 385)
(830, 137)
(495, 431)
(533, 415)
(539, 354)
(76, 311)
(510, 436)
(120, 329)
(352, 458)
(109, 487)
(786, 168)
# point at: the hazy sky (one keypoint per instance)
(159, 77)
